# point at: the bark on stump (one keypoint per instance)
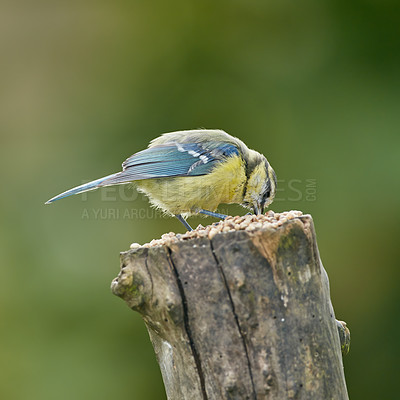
(240, 314)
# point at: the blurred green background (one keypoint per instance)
(84, 84)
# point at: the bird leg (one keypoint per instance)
(201, 211)
(213, 214)
(185, 224)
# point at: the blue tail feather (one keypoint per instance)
(82, 188)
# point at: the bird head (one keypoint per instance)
(261, 185)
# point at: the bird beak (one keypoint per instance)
(257, 208)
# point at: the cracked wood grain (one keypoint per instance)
(211, 318)
(187, 325)
(220, 267)
(243, 315)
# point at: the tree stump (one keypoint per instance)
(239, 310)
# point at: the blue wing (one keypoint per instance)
(188, 159)
(167, 160)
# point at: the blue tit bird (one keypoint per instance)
(191, 172)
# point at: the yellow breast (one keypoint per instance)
(187, 194)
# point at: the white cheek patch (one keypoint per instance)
(257, 181)
(257, 184)
(263, 187)
(271, 173)
(260, 183)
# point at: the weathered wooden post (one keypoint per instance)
(239, 310)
